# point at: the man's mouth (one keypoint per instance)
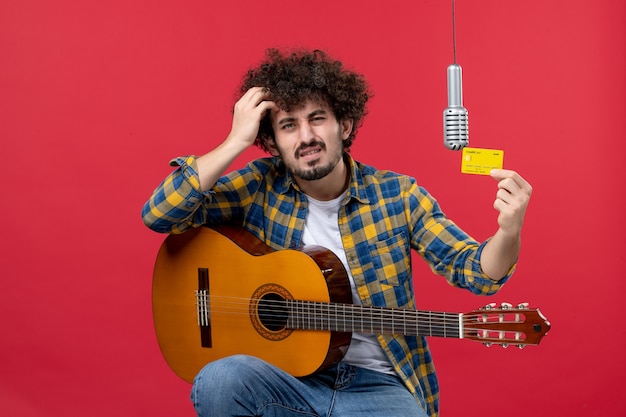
(310, 152)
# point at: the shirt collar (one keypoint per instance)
(356, 189)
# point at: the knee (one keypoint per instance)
(225, 387)
(228, 374)
(237, 385)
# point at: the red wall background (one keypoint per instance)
(96, 96)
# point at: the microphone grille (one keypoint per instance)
(455, 127)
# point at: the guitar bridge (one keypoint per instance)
(203, 308)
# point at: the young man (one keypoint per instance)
(304, 109)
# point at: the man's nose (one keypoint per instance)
(306, 132)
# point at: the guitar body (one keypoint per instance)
(238, 275)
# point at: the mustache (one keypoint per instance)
(306, 146)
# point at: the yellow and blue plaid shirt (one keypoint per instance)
(382, 217)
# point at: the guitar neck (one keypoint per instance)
(311, 315)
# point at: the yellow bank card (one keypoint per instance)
(481, 161)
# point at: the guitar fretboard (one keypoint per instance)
(312, 315)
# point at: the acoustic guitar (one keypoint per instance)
(219, 292)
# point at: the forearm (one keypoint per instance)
(500, 254)
(450, 251)
(212, 165)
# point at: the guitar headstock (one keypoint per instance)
(505, 325)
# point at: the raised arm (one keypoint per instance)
(175, 205)
(249, 111)
(503, 248)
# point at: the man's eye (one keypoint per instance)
(288, 126)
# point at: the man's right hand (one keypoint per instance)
(249, 111)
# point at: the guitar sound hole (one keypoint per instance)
(272, 312)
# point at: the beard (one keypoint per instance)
(317, 172)
(313, 174)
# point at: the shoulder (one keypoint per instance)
(265, 173)
(376, 184)
(261, 168)
(372, 175)
(265, 165)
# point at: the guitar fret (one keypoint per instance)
(308, 316)
(430, 326)
(318, 313)
(313, 315)
(316, 317)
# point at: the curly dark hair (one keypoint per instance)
(293, 77)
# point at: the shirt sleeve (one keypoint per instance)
(178, 204)
(449, 250)
(174, 206)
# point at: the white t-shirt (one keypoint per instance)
(322, 228)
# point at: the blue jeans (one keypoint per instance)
(246, 386)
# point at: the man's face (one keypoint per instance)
(309, 139)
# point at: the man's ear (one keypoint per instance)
(346, 128)
(270, 143)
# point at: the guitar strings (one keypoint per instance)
(391, 311)
(324, 314)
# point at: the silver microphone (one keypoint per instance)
(455, 135)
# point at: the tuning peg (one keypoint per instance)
(522, 306)
(505, 345)
(489, 306)
(507, 306)
(488, 344)
(521, 346)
